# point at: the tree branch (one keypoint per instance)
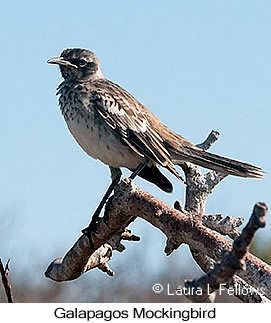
(5, 280)
(200, 186)
(225, 225)
(232, 261)
(186, 225)
(129, 202)
(82, 258)
(240, 289)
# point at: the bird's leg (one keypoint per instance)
(137, 170)
(115, 176)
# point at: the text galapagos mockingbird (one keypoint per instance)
(112, 126)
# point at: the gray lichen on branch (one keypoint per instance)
(231, 262)
(199, 185)
(226, 225)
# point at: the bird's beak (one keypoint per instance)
(61, 61)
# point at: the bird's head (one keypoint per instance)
(78, 64)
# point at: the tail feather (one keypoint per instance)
(208, 160)
(153, 175)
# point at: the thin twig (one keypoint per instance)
(5, 280)
(210, 140)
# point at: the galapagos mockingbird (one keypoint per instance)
(112, 126)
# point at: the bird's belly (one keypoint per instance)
(98, 140)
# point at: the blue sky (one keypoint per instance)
(198, 65)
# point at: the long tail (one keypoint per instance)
(205, 159)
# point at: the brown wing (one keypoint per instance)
(128, 117)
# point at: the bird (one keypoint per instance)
(114, 127)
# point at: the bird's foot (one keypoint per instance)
(91, 228)
(93, 224)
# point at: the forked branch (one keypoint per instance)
(5, 281)
(231, 262)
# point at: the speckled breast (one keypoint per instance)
(95, 137)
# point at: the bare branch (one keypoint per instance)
(245, 292)
(210, 140)
(171, 245)
(84, 256)
(200, 186)
(5, 280)
(129, 202)
(231, 261)
(237, 287)
(181, 225)
(226, 225)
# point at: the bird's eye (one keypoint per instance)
(82, 63)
